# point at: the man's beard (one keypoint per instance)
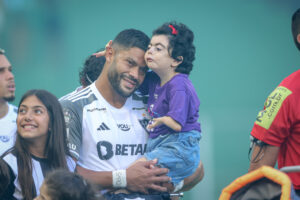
(115, 81)
(9, 99)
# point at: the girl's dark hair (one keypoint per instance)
(62, 184)
(296, 26)
(56, 144)
(91, 69)
(4, 176)
(180, 44)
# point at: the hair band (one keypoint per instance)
(88, 78)
(174, 31)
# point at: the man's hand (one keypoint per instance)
(141, 176)
(102, 53)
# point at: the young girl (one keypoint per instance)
(62, 184)
(40, 144)
(174, 130)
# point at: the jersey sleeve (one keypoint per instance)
(273, 123)
(178, 106)
(73, 119)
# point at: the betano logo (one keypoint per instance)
(103, 127)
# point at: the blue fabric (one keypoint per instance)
(121, 196)
(294, 193)
(179, 152)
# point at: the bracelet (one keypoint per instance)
(179, 186)
(119, 178)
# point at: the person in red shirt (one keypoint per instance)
(276, 131)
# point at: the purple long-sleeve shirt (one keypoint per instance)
(176, 99)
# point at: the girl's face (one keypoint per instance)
(33, 120)
(157, 56)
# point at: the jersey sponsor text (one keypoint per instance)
(106, 151)
(272, 106)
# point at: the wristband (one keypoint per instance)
(119, 178)
(179, 186)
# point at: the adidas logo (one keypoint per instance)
(103, 127)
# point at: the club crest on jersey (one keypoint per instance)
(4, 138)
(67, 116)
(124, 127)
(144, 122)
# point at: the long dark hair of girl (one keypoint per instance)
(56, 145)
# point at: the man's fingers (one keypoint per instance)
(99, 54)
(160, 171)
(157, 188)
(108, 44)
(149, 162)
(161, 179)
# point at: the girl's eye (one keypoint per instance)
(38, 111)
(158, 49)
(22, 111)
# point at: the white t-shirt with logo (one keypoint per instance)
(102, 137)
(8, 128)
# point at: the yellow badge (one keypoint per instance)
(272, 105)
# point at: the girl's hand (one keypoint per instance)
(166, 120)
(102, 53)
(154, 123)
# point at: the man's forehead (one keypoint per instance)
(135, 54)
(4, 61)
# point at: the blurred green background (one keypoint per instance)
(244, 48)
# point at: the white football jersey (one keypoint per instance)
(8, 129)
(102, 137)
(40, 168)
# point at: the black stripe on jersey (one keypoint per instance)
(44, 163)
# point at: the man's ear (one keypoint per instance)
(109, 52)
(298, 38)
(177, 61)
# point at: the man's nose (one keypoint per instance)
(9, 75)
(134, 72)
(28, 116)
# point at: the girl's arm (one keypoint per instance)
(166, 120)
